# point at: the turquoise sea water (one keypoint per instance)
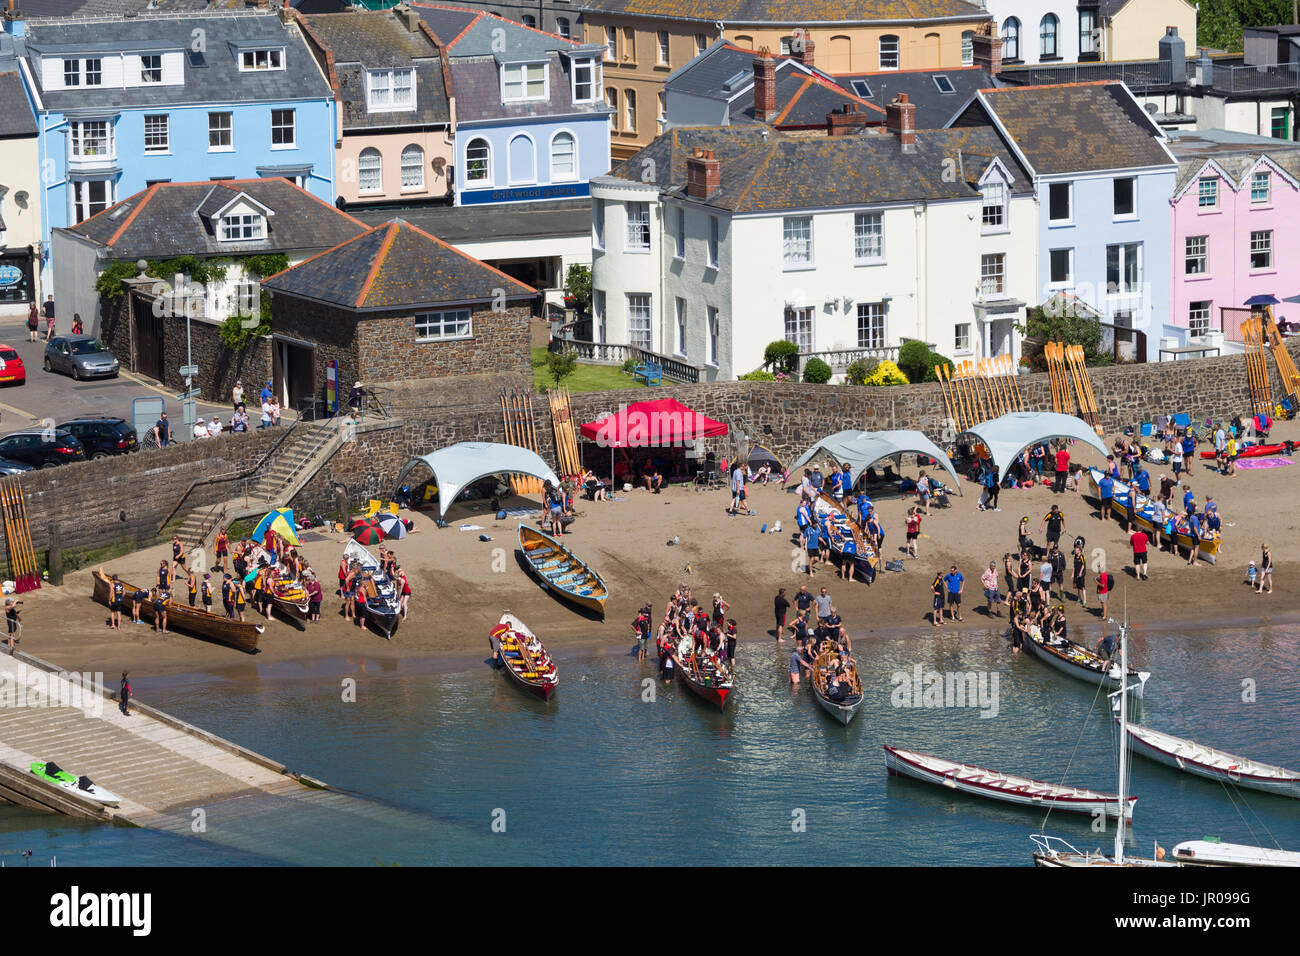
(601, 776)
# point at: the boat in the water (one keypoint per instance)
(288, 595)
(383, 602)
(241, 635)
(1005, 787)
(706, 676)
(1144, 517)
(1078, 661)
(560, 570)
(843, 532)
(83, 786)
(1191, 757)
(1212, 852)
(523, 657)
(846, 707)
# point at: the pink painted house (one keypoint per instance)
(1235, 208)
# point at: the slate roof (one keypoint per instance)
(481, 34)
(477, 82)
(163, 221)
(933, 108)
(219, 81)
(394, 266)
(1074, 127)
(489, 221)
(799, 12)
(802, 100)
(1235, 153)
(783, 172)
(365, 40)
(33, 9)
(16, 117)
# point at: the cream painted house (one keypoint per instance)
(20, 200)
(396, 109)
(713, 242)
(1132, 28)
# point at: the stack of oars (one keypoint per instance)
(1285, 365)
(517, 413)
(1088, 410)
(1062, 392)
(976, 392)
(1261, 392)
(18, 536)
(566, 439)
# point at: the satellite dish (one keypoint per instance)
(20, 198)
(439, 162)
(1152, 109)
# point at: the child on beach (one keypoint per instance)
(1252, 573)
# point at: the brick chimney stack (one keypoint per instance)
(900, 119)
(846, 120)
(765, 87)
(986, 51)
(703, 174)
(804, 53)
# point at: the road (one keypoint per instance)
(57, 396)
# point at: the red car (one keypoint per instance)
(12, 370)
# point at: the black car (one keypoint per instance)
(102, 437)
(41, 448)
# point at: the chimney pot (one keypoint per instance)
(900, 119)
(764, 88)
(804, 54)
(986, 52)
(703, 174)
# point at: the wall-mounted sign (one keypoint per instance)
(475, 197)
(10, 275)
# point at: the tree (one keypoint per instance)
(577, 288)
(1219, 23)
(560, 365)
(858, 371)
(781, 356)
(817, 372)
(1067, 326)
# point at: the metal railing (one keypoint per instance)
(604, 353)
(1136, 74)
(1249, 79)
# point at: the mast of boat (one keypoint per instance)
(1123, 732)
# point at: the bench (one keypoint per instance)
(652, 372)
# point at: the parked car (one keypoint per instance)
(12, 370)
(81, 356)
(102, 437)
(41, 448)
(8, 467)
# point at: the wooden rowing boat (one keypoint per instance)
(1077, 661)
(1144, 517)
(845, 709)
(523, 657)
(383, 602)
(288, 595)
(241, 635)
(845, 532)
(706, 676)
(1203, 761)
(1008, 788)
(558, 569)
(1211, 852)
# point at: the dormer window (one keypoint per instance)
(523, 81)
(993, 217)
(151, 70)
(240, 227)
(270, 59)
(586, 81)
(390, 90)
(89, 72)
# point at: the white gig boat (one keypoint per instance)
(1002, 786)
(1189, 756)
(1211, 852)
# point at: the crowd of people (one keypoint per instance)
(699, 639)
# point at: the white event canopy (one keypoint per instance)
(1007, 436)
(464, 463)
(860, 450)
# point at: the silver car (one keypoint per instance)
(81, 356)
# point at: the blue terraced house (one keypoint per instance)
(123, 103)
(531, 117)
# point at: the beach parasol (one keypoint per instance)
(1266, 298)
(392, 526)
(281, 522)
(367, 531)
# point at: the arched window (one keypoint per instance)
(611, 100)
(967, 48)
(889, 52)
(564, 158)
(478, 161)
(412, 167)
(1011, 39)
(1047, 30)
(563, 28)
(370, 171)
(529, 20)
(523, 160)
(629, 110)
(746, 41)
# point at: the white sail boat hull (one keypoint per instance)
(1194, 758)
(1110, 680)
(1211, 853)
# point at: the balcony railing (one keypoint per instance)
(605, 353)
(840, 359)
(1138, 75)
(1249, 79)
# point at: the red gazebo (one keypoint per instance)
(664, 422)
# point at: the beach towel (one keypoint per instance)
(1262, 462)
(471, 527)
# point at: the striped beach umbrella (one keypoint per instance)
(367, 531)
(392, 526)
(281, 522)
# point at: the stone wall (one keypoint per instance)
(121, 500)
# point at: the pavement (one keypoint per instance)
(57, 396)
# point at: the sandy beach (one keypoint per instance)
(461, 584)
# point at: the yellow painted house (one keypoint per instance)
(646, 40)
(1130, 29)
